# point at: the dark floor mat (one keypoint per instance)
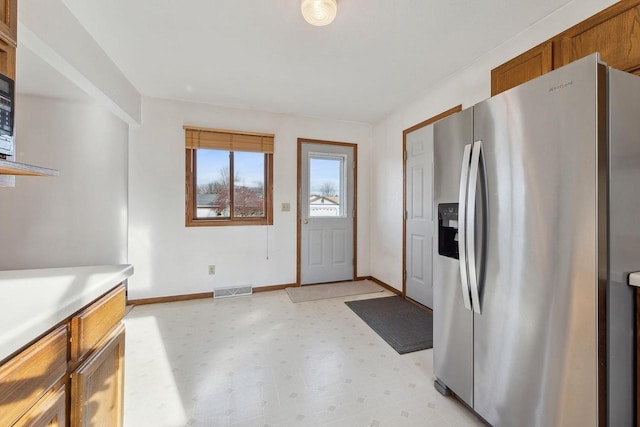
(403, 325)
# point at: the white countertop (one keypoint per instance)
(634, 279)
(34, 301)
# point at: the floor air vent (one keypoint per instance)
(232, 292)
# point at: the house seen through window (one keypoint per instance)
(228, 177)
(326, 182)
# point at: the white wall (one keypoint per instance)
(49, 29)
(171, 259)
(79, 217)
(466, 87)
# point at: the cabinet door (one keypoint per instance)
(528, 66)
(615, 33)
(93, 323)
(97, 385)
(27, 377)
(9, 20)
(7, 59)
(50, 411)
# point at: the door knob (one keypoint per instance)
(305, 221)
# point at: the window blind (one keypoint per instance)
(229, 140)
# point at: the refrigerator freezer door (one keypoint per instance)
(535, 343)
(452, 322)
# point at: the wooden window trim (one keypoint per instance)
(190, 192)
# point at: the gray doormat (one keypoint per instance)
(403, 325)
(332, 290)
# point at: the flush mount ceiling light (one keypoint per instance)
(319, 12)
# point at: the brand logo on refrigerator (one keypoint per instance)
(561, 86)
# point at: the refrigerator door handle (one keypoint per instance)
(462, 232)
(471, 226)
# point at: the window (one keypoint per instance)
(228, 177)
(326, 185)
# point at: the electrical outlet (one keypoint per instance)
(286, 207)
(212, 269)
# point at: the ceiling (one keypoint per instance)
(260, 54)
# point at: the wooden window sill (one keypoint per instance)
(227, 222)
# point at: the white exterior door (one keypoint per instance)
(419, 216)
(326, 213)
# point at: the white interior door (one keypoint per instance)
(326, 213)
(419, 222)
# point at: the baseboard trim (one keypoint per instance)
(274, 287)
(420, 306)
(187, 297)
(397, 292)
(384, 285)
(175, 298)
(172, 298)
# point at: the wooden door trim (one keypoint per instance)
(299, 201)
(405, 132)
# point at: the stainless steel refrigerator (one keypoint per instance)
(537, 195)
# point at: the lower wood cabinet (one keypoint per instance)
(70, 378)
(26, 378)
(50, 411)
(91, 325)
(97, 385)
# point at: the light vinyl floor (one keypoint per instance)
(262, 360)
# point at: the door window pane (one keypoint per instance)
(326, 186)
(248, 188)
(212, 180)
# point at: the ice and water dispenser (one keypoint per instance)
(448, 230)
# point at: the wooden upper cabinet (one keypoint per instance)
(7, 59)
(614, 33)
(520, 69)
(8, 37)
(9, 20)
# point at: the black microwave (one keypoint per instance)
(6, 116)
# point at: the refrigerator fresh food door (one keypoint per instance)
(624, 240)
(535, 343)
(452, 322)
(463, 194)
(475, 228)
